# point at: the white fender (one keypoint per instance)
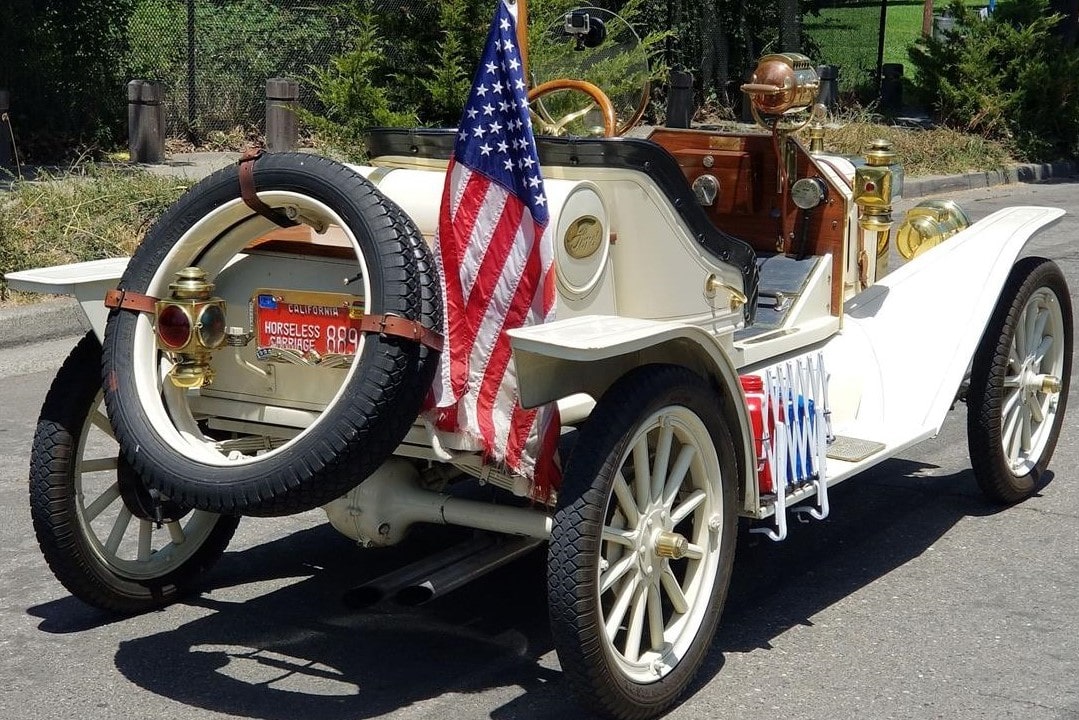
(907, 342)
(588, 354)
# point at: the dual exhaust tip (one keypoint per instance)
(441, 573)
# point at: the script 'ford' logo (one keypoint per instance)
(583, 237)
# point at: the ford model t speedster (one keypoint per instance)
(726, 343)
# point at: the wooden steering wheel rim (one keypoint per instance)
(610, 121)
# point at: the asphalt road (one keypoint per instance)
(915, 599)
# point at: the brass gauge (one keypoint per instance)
(808, 193)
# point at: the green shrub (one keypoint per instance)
(62, 61)
(1007, 78)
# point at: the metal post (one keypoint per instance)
(5, 129)
(145, 121)
(282, 128)
(191, 69)
(880, 42)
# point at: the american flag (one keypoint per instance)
(495, 259)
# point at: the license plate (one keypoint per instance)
(314, 324)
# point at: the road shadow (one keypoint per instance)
(298, 652)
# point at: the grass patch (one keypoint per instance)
(89, 212)
(847, 36)
(938, 151)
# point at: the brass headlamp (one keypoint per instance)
(927, 225)
(190, 323)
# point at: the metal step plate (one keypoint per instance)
(849, 449)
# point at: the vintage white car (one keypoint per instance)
(728, 345)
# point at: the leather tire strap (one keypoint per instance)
(249, 193)
(401, 327)
(127, 300)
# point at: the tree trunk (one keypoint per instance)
(927, 19)
(790, 26)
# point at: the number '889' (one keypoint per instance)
(342, 339)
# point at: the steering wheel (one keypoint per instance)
(599, 99)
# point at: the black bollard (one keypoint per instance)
(891, 87)
(282, 126)
(746, 113)
(680, 100)
(829, 85)
(145, 121)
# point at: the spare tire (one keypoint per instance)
(171, 446)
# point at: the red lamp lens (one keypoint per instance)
(173, 327)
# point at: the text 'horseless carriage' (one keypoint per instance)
(728, 344)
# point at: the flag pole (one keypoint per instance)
(522, 34)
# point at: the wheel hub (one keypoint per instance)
(671, 545)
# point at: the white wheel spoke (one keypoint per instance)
(118, 529)
(621, 604)
(694, 552)
(1014, 361)
(620, 568)
(99, 464)
(1042, 349)
(1037, 333)
(1025, 436)
(146, 530)
(1035, 408)
(626, 503)
(641, 474)
(176, 532)
(691, 503)
(678, 474)
(111, 494)
(655, 617)
(1010, 436)
(1010, 403)
(636, 624)
(618, 535)
(101, 421)
(674, 591)
(663, 457)
(1026, 331)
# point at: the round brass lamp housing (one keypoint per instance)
(927, 225)
(783, 83)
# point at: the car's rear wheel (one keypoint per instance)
(643, 542)
(111, 544)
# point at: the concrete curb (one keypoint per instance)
(1025, 173)
(46, 320)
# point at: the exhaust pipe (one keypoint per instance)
(375, 591)
(450, 577)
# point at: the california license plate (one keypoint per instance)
(314, 324)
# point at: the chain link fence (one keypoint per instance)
(213, 57)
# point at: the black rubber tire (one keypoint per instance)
(575, 546)
(376, 407)
(53, 497)
(986, 395)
